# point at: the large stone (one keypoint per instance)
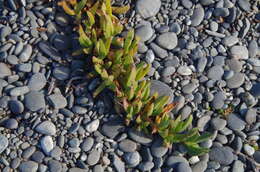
(148, 8)
(46, 127)
(235, 123)
(222, 155)
(28, 166)
(145, 32)
(34, 101)
(37, 82)
(167, 40)
(4, 70)
(239, 52)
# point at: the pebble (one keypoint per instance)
(92, 126)
(198, 16)
(184, 70)
(239, 52)
(200, 166)
(149, 57)
(12, 59)
(3, 143)
(202, 62)
(19, 91)
(61, 19)
(54, 166)
(16, 106)
(244, 5)
(46, 127)
(218, 101)
(183, 167)
(112, 128)
(6, 30)
(235, 123)
(251, 115)
(98, 168)
(249, 150)
(146, 166)
(147, 8)
(37, 156)
(218, 123)
(28, 166)
(173, 161)
(10, 123)
(34, 101)
(47, 144)
(37, 82)
(58, 101)
(61, 73)
(4, 70)
(26, 53)
(236, 81)
(252, 49)
(238, 166)
(50, 51)
(257, 156)
(215, 72)
(230, 41)
(145, 32)
(160, 52)
(223, 155)
(93, 157)
(132, 158)
(161, 88)
(119, 165)
(127, 145)
(87, 144)
(167, 40)
(61, 42)
(139, 137)
(255, 90)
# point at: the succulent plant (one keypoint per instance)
(113, 60)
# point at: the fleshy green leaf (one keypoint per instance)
(120, 10)
(195, 149)
(79, 6)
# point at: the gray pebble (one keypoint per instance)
(37, 82)
(16, 106)
(26, 53)
(28, 166)
(167, 40)
(46, 127)
(34, 101)
(235, 123)
(3, 143)
(198, 16)
(58, 101)
(147, 8)
(223, 155)
(4, 70)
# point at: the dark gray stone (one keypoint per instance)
(112, 128)
(239, 52)
(28, 166)
(235, 123)
(58, 101)
(127, 145)
(26, 53)
(34, 101)
(223, 155)
(140, 137)
(37, 82)
(10, 123)
(183, 167)
(50, 51)
(16, 106)
(61, 73)
(145, 32)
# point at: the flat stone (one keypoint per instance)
(146, 166)
(28, 166)
(127, 145)
(54, 166)
(183, 167)
(202, 62)
(215, 72)
(197, 16)
(230, 40)
(249, 150)
(160, 52)
(19, 91)
(4, 70)
(236, 81)
(61, 19)
(234, 65)
(238, 166)
(92, 126)
(61, 73)
(257, 156)
(119, 165)
(37, 82)
(244, 5)
(10, 123)
(46, 127)
(239, 52)
(184, 70)
(112, 128)
(12, 59)
(147, 8)
(3, 143)
(16, 106)
(145, 32)
(58, 101)
(50, 51)
(6, 30)
(47, 144)
(26, 53)
(251, 115)
(223, 155)
(218, 101)
(162, 89)
(158, 149)
(167, 40)
(87, 144)
(235, 123)
(189, 88)
(61, 42)
(218, 123)
(34, 101)
(93, 157)
(132, 158)
(140, 137)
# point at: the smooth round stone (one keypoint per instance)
(76, 170)
(236, 81)
(146, 166)
(216, 72)
(15, 163)
(189, 88)
(167, 40)
(61, 19)
(223, 155)
(168, 71)
(112, 128)
(255, 90)
(3, 143)
(47, 144)
(218, 101)
(162, 89)
(46, 127)
(239, 52)
(58, 101)
(5, 30)
(139, 137)
(158, 149)
(160, 52)
(127, 145)
(183, 167)
(253, 48)
(186, 3)
(27, 153)
(147, 8)
(34, 101)
(132, 158)
(244, 5)
(54, 166)
(235, 123)
(61, 73)
(218, 123)
(249, 150)
(37, 156)
(12, 59)
(254, 61)
(28, 166)
(87, 144)
(26, 53)
(202, 62)
(4, 101)
(118, 164)
(184, 70)
(37, 82)
(18, 91)
(173, 161)
(234, 65)
(251, 115)
(16, 106)
(61, 42)
(10, 123)
(92, 126)
(149, 57)
(145, 32)
(221, 12)
(4, 70)
(238, 166)
(230, 40)
(93, 157)
(98, 168)
(198, 15)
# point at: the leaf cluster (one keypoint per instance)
(113, 60)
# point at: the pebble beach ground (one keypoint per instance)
(205, 55)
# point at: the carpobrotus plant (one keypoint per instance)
(113, 60)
